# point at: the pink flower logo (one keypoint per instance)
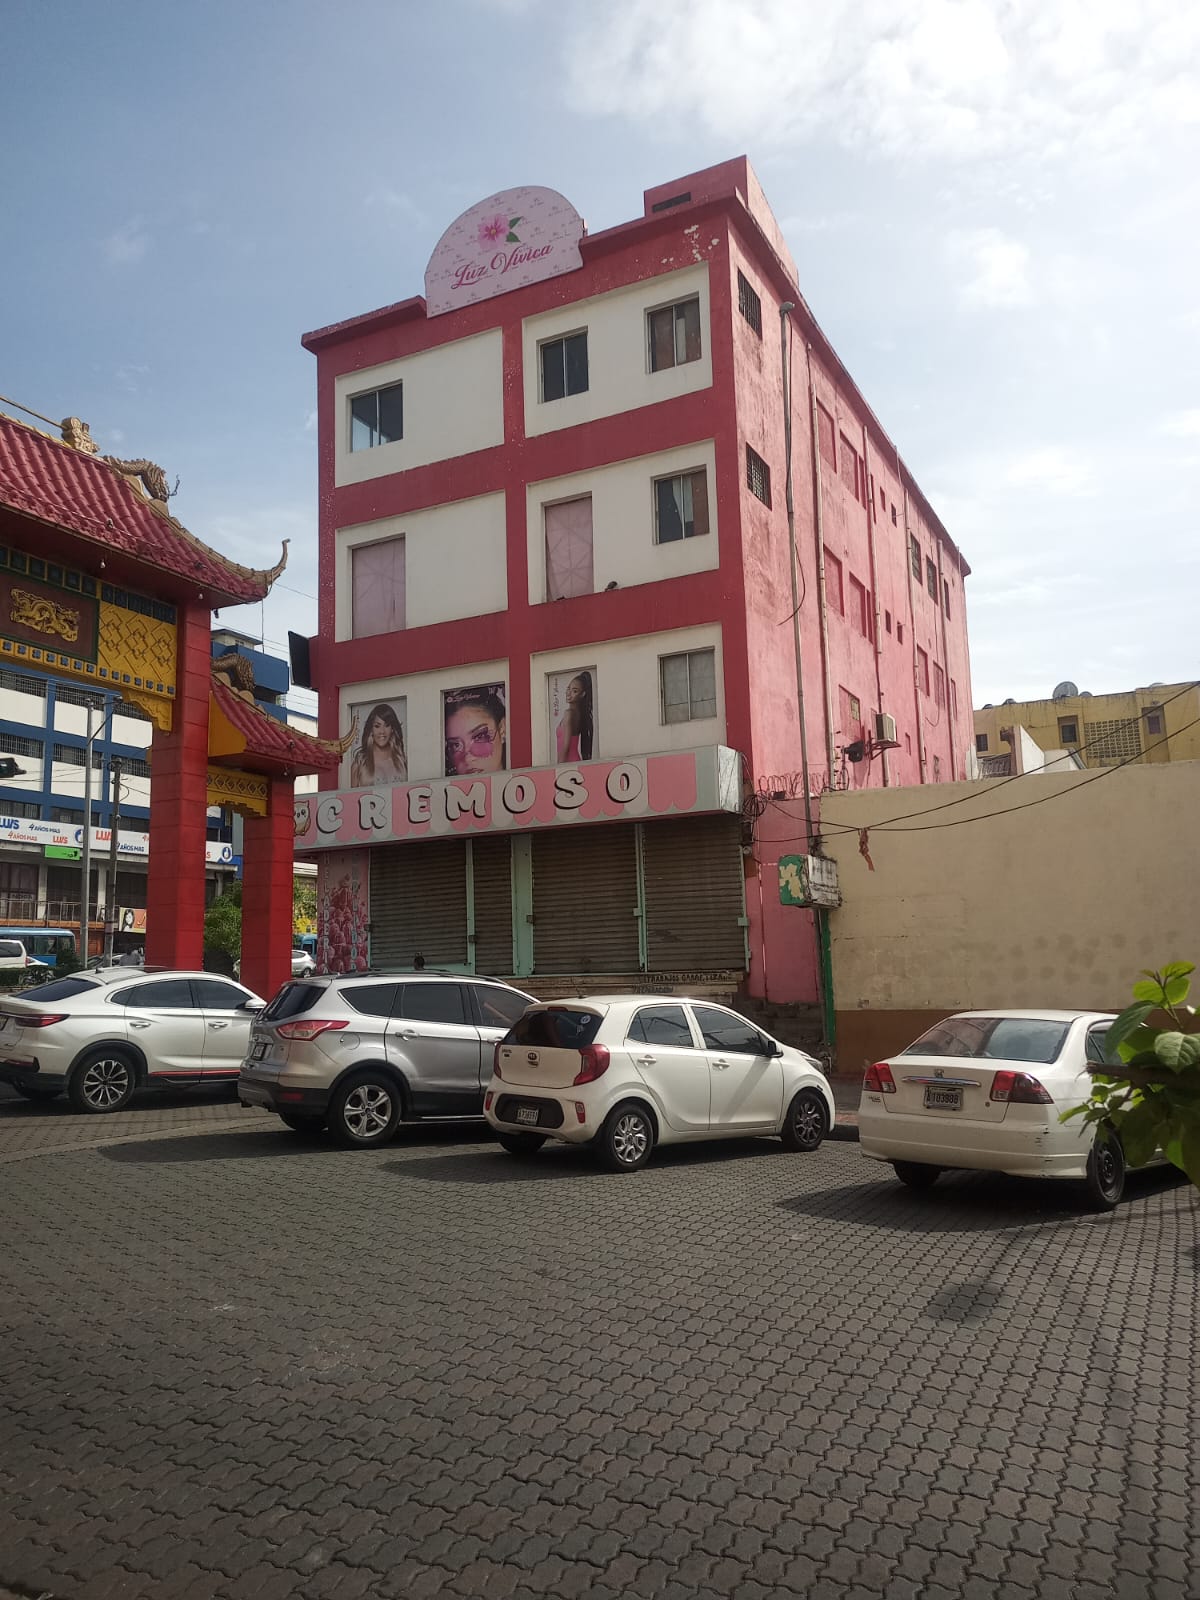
(494, 229)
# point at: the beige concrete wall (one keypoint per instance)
(1055, 904)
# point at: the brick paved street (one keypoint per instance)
(236, 1362)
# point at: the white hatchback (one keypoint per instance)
(986, 1090)
(624, 1073)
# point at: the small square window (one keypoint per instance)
(377, 587)
(688, 686)
(758, 476)
(861, 608)
(564, 366)
(1154, 722)
(1068, 730)
(931, 578)
(749, 304)
(981, 744)
(674, 334)
(680, 507)
(377, 417)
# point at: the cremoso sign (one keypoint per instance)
(514, 238)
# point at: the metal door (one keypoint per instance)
(695, 895)
(167, 1026)
(434, 1035)
(419, 903)
(662, 1048)
(585, 899)
(746, 1083)
(226, 1026)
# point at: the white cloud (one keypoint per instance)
(129, 376)
(1182, 424)
(127, 244)
(993, 268)
(957, 78)
(1053, 469)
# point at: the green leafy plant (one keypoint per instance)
(223, 922)
(1148, 1091)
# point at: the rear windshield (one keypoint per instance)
(556, 1028)
(60, 989)
(10, 947)
(993, 1039)
(291, 1000)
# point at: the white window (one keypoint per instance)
(674, 334)
(564, 366)
(688, 685)
(569, 548)
(377, 417)
(377, 587)
(680, 507)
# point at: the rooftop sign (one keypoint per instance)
(513, 238)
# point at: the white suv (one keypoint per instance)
(625, 1072)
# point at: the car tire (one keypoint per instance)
(521, 1144)
(916, 1174)
(806, 1123)
(103, 1081)
(302, 1121)
(364, 1112)
(35, 1092)
(1105, 1181)
(626, 1140)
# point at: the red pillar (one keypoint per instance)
(267, 851)
(179, 805)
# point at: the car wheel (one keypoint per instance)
(36, 1092)
(364, 1112)
(625, 1141)
(916, 1174)
(1105, 1181)
(103, 1081)
(301, 1121)
(521, 1144)
(806, 1123)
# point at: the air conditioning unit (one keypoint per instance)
(885, 728)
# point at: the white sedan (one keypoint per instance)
(986, 1090)
(625, 1073)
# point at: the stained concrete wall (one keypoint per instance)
(1058, 903)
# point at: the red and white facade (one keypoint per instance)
(493, 517)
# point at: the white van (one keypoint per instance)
(14, 954)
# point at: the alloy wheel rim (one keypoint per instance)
(806, 1120)
(1106, 1167)
(105, 1082)
(368, 1110)
(630, 1139)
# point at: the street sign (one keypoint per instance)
(62, 852)
(808, 881)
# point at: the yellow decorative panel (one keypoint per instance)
(240, 791)
(137, 647)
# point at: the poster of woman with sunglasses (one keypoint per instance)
(475, 730)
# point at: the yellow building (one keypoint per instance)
(1161, 723)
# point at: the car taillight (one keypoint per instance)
(878, 1079)
(43, 1019)
(487, 1100)
(594, 1060)
(307, 1030)
(496, 1063)
(1020, 1089)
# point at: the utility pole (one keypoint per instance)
(85, 903)
(113, 848)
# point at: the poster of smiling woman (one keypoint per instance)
(475, 726)
(379, 753)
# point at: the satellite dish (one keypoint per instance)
(1066, 690)
(1010, 701)
(989, 706)
(1085, 694)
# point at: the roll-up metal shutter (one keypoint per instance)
(419, 903)
(695, 895)
(493, 904)
(585, 899)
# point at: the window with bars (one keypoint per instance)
(922, 670)
(914, 551)
(564, 364)
(134, 767)
(569, 548)
(688, 686)
(126, 708)
(749, 304)
(20, 808)
(22, 683)
(758, 476)
(66, 814)
(931, 579)
(680, 507)
(67, 694)
(981, 744)
(377, 588)
(74, 755)
(1154, 722)
(825, 430)
(674, 334)
(377, 417)
(1113, 741)
(835, 597)
(14, 744)
(851, 714)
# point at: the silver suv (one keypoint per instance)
(361, 1055)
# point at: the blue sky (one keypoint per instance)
(993, 204)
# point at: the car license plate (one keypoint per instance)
(943, 1099)
(259, 1051)
(527, 1114)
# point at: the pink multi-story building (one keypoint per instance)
(556, 601)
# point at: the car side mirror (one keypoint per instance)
(253, 1005)
(772, 1048)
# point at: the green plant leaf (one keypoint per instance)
(511, 238)
(1176, 989)
(1138, 1131)
(1121, 1027)
(1075, 1111)
(1189, 1152)
(1178, 1050)
(1150, 990)
(1178, 969)
(512, 221)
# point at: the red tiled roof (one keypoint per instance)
(272, 742)
(43, 478)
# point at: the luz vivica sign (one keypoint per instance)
(677, 783)
(513, 238)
